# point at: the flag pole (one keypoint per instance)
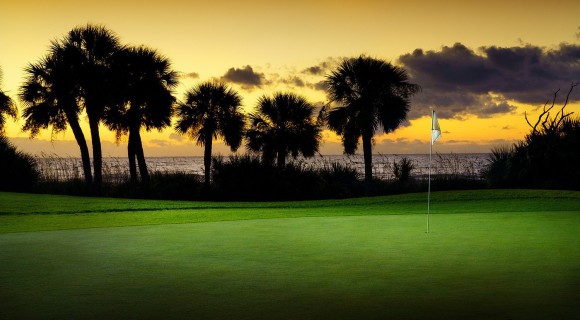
(435, 134)
(429, 184)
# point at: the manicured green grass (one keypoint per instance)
(30, 212)
(505, 254)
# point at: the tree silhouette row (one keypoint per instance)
(129, 88)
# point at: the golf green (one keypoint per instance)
(489, 265)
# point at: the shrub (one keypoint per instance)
(402, 170)
(548, 157)
(17, 169)
(248, 178)
(498, 171)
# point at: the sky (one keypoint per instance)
(481, 64)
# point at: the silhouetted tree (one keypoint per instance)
(144, 83)
(50, 94)
(90, 50)
(7, 107)
(282, 125)
(371, 95)
(211, 110)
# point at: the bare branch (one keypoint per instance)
(535, 126)
(563, 115)
(528, 121)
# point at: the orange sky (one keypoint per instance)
(280, 40)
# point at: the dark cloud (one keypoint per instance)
(246, 77)
(323, 67)
(294, 81)
(191, 75)
(459, 81)
(316, 70)
(321, 85)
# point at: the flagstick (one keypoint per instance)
(435, 134)
(429, 188)
(429, 184)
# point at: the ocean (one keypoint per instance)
(464, 164)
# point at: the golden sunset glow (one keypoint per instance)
(279, 41)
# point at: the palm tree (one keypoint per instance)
(7, 107)
(211, 110)
(144, 83)
(371, 94)
(283, 125)
(90, 50)
(50, 96)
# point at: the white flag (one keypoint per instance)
(435, 129)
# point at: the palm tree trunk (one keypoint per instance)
(207, 160)
(82, 142)
(138, 149)
(281, 161)
(368, 158)
(97, 155)
(131, 155)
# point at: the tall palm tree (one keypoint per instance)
(90, 50)
(211, 110)
(144, 92)
(282, 125)
(7, 107)
(50, 96)
(371, 95)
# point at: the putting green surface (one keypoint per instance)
(349, 259)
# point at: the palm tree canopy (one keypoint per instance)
(371, 94)
(284, 123)
(49, 92)
(90, 50)
(143, 88)
(210, 111)
(7, 107)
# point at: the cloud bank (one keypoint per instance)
(460, 81)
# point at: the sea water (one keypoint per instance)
(464, 164)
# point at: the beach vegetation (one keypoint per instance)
(547, 157)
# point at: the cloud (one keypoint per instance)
(176, 137)
(459, 81)
(458, 104)
(294, 81)
(190, 75)
(323, 67)
(159, 143)
(320, 85)
(315, 70)
(246, 77)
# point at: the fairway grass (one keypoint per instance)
(505, 254)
